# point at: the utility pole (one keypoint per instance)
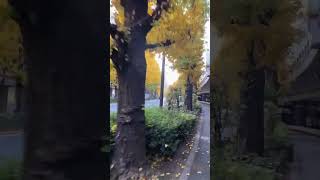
(162, 80)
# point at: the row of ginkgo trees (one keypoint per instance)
(255, 38)
(173, 28)
(64, 43)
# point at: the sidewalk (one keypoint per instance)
(306, 154)
(198, 165)
(306, 130)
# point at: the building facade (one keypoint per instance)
(301, 104)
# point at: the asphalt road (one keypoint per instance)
(200, 169)
(148, 103)
(11, 147)
(306, 157)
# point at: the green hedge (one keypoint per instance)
(9, 122)
(10, 170)
(165, 130)
(229, 170)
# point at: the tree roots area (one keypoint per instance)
(169, 140)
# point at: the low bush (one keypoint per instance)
(10, 121)
(165, 129)
(227, 166)
(10, 170)
(197, 108)
(229, 170)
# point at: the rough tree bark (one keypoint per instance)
(189, 93)
(66, 65)
(19, 96)
(252, 115)
(130, 63)
(130, 153)
(178, 102)
(3, 98)
(255, 140)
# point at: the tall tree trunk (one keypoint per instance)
(18, 95)
(252, 115)
(130, 149)
(178, 102)
(66, 119)
(3, 98)
(255, 140)
(189, 92)
(115, 91)
(217, 125)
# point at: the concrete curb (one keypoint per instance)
(11, 133)
(192, 154)
(204, 102)
(309, 131)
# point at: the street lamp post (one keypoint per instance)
(162, 80)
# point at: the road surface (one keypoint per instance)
(148, 103)
(306, 157)
(200, 168)
(11, 147)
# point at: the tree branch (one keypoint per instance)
(118, 59)
(161, 44)
(118, 56)
(162, 5)
(114, 32)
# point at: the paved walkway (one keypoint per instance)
(199, 168)
(306, 164)
(11, 147)
(305, 130)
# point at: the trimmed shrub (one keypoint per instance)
(10, 170)
(165, 130)
(10, 121)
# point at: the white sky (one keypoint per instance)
(172, 75)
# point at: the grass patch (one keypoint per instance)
(165, 129)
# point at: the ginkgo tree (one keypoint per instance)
(186, 53)
(142, 25)
(191, 71)
(10, 42)
(11, 52)
(256, 36)
(152, 76)
(153, 73)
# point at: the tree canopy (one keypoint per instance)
(10, 43)
(267, 24)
